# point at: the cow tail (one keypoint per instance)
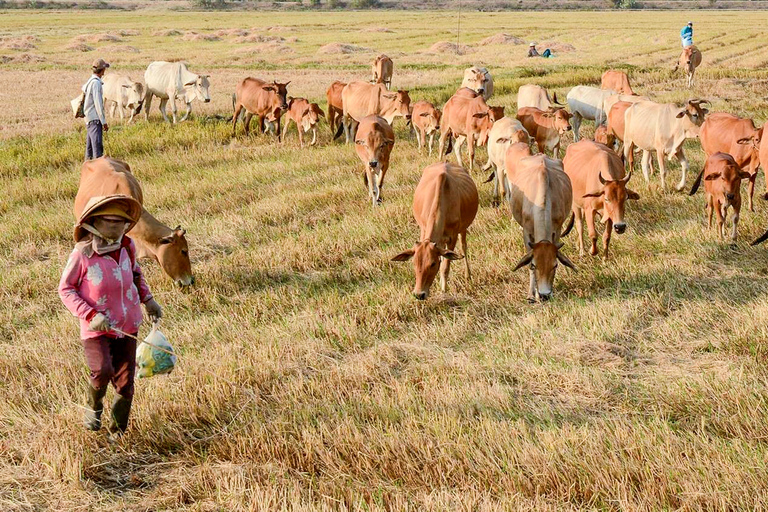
(760, 240)
(569, 227)
(449, 147)
(339, 131)
(696, 183)
(490, 177)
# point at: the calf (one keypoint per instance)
(306, 115)
(617, 81)
(599, 188)
(445, 204)
(722, 183)
(426, 121)
(382, 69)
(545, 127)
(505, 132)
(120, 92)
(373, 143)
(466, 116)
(258, 98)
(335, 104)
(689, 60)
(154, 240)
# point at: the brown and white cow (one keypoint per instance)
(154, 240)
(335, 105)
(466, 116)
(381, 69)
(617, 81)
(504, 133)
(373, 143)
(599, 188)
(426, 122)
(736, 136)
(545, 127)
(689, 60)
(722, 182)
(361, 99)
(306, 115)
(258, 98)
(540, 198)
(478, 79)
(532, 95)
(445, 204)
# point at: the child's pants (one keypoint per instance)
(112, 360)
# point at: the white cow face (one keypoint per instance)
(134, 96)
(198, 89)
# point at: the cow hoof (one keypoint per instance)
(765, 196)
(531, 299)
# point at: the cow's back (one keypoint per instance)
(648, 124)
(531, 95)
(455, 112)
(584, 163)
(333, 94)
(361, 99)
(721, 132)
(459, 199)
(161, 76)
(105, 177)
(112, 85)
(588, 101)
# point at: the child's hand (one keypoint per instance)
(99, 323)
(154, 311)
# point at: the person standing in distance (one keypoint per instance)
(93, 108)
(686, 35)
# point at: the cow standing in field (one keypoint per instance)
(306, 115)
(599, 188)
(374, 141)
(614, 80)
(587, 103)
(259, 98)
(445, 204)
(722, 182)
(738, 137)
(335, 105)
(361, 99)
(531, 95)
(546, 128)
(662, 128)
(479, 80)
(466, 116)
(171, 80)
(505, 132)
(382, 69)
(120, 93)
(689, 60)
(616, 120)
(540, 198)
(426, 122)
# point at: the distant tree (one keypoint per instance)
(365, 4)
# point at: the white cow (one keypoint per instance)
(171, 80)
(479, 80)
(532, 95)
(505, 132)
(120, 92)
(587, 103)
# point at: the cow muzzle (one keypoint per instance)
(730, 197)
(544, 297)
(420, 295)
(207, 100)
(620, 228)
(480, 90)
(373, 164)
(186, 281)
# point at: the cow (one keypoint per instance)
(689, 60)
(361, 99)
(722, 177)
(505, 132)
(306, 115)
(259, 98)
(615, 80)
(661, 128)
(171, 80)
(335, 105)
(531, 95)
(546, 127)
(611, 100)
(466, 116)
(479, 80)
(603, 137)
(374, 141)
(736, 136)
(382, 71)
(445, 204)
(587, 103)
(426, 122)
(120, 93)
(540, 198)
(106, 176)
(599, 188)
(615, 126)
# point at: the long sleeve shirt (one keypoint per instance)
(93, 108)
(686, 35)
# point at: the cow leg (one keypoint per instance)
(432, 143)
(238, 110)
(471, 151)
(556, 150)
(736, 212)
(662, 168)
(163, 103)
(418, 132)
(684, 164)
(752, 178)
(457, 148)
(380, 184)
(646, 164)
(466, 255)
(444, 135)
(445, 266)
(576, 126)
(147, 104)
(720, 211)
(112, 108)
(369, 178)
(590, 214)
(314, 136)
(532, 285)
(285, 130)
(710, 211)
(186, 114)
(247, 122)
(577, 215)
(174, 110)
(607, 237)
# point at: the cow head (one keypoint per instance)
(173, 255)
(614, 194)
(543, 258)
(426, 262)
(603, 137)
(692, 115)
(430, 119)
(134, 96)
(475, 79)
(279, 94)
(311, 116)
(561, 119)
(395, 104)
(496, 113)
(197, 88)
(725, 181)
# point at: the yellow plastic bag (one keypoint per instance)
(155, 356)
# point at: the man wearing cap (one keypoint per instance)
(686, 35)
(103, 286)
(532, 52)
(93, 108)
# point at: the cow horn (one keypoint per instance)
(626, 178)
(602, 180)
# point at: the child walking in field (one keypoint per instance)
(103, 286)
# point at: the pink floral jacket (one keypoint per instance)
(94, 284)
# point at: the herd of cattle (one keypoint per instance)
(540, 190)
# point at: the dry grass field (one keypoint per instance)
(309, 378)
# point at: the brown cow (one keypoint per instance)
(736, 136)
(335, 105)
(722, 183)
(615, 126)
(689, 60)
(373, 143)
(306, 115)
(426, 121)
(466, 116)
(382, 69)
(361, 99)
(445, 204)
(617, 81)
(599, 188)
(258, 98)
(545, 127)
(603, 137)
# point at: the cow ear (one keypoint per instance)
(744, 141)
(562, 258)
(306, 111)
(681, 114)
(193, 82)
(404, 256)
(390, 142)
(389, 96)
(713, 176)
(424, 114)
(744, 175)
(125, 86)
(524, 261)
(450, 255)
(594, 194)
(631, 194)
(268, 88)
(502, 140)
(166, 240)
(480, 115)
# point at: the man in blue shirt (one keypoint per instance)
(686, 35)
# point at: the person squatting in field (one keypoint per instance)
(103, 286)
(93, 108)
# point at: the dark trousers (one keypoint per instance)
(94, 141)
(111, 360)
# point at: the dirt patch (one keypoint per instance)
(341, 48)
(97, 38)
(24, 58)
(501, 38)
(376, 29)
(123, 49)
(79, 47)
(194, 36)
(556, 47)
(446, 47)
(166, 33)
(258, 38)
